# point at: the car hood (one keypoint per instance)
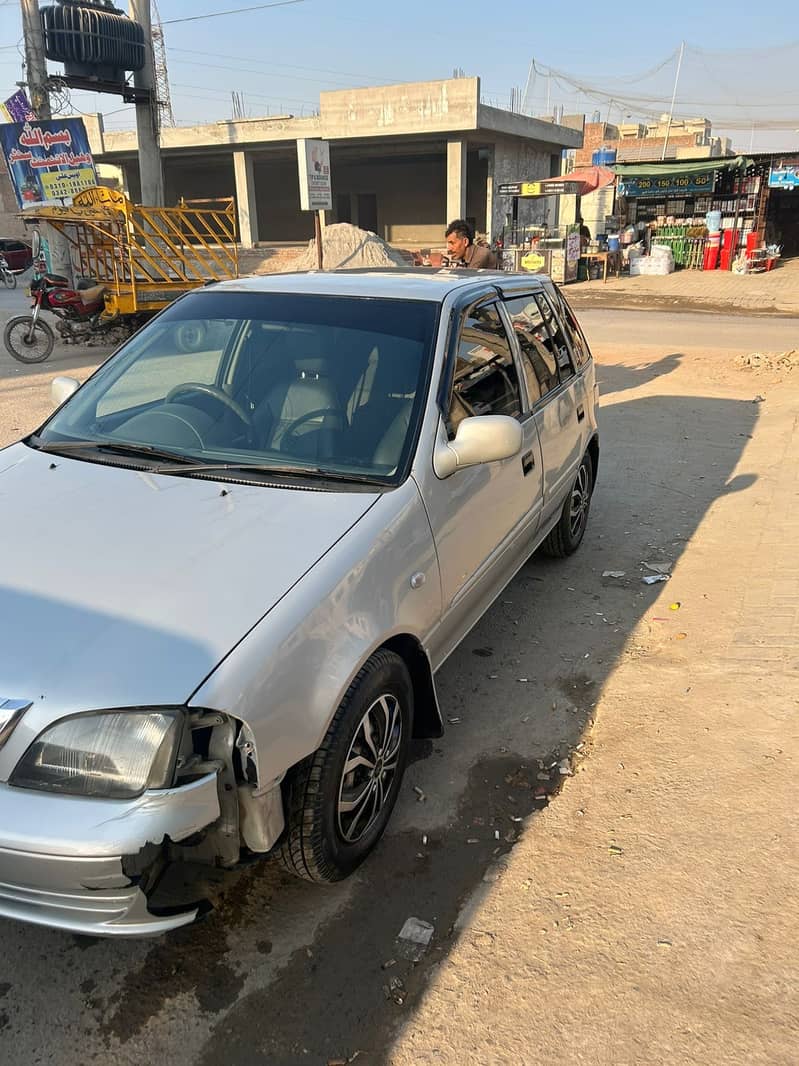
(124, 588)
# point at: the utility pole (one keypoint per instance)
(673, 99)
(147, 124)
(35, 62)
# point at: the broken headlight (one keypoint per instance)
(111, 755)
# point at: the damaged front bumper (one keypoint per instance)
(63, 859)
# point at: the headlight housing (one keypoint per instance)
(107, 754)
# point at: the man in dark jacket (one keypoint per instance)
(462, 250)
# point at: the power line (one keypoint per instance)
(287, 66)
(235, 11)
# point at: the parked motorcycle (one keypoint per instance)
(7, 274)
(79, 315)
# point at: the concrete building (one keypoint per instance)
(635, 142)
(405, 159)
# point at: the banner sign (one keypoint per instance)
(668, 185)
(17, 108)
(49, 160)
(786, 177)
(313, 159)
(540, 188)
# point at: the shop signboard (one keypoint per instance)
(668, 185)
(17, 108)
(316, 191)
(573, 249)
(784, 177)
(49, 161)
(540, 188)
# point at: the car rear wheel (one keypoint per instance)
(339, 800)
(567, 535)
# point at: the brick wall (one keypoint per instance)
(601, 135)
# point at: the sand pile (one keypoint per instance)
(346, 247)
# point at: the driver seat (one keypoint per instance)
(309, 390)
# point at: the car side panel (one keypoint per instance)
(288, 675)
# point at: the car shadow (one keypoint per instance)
(285, 972)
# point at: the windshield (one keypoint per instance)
(323, 383)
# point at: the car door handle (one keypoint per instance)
(580, 413)
(528, 462)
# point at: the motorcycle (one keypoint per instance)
(7, 274)
(79, 314)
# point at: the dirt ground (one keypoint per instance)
(644, 910)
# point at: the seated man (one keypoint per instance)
(462, 250)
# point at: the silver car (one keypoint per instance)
(233, 560)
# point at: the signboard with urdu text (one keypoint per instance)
(540, 188)
(668, 185)
(785, 177)
(316, 190)
(17, 108)
(48, 161)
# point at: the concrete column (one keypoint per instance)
(245, 198)
(456, 179)
(150, 168)
(489, 223)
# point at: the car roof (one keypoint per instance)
(412, 283)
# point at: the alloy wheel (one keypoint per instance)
(580, 501)
(370, 768)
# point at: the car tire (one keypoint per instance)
(566, 537)
(336, 812)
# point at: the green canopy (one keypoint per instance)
(655, 170)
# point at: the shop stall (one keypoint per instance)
(710, 213)
(554, 249)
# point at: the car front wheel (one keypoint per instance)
(339, 800)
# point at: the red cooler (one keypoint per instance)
(728, 243)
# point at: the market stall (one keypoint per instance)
(709, 213)
(555, 249)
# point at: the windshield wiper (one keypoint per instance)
(148, 451)
(275, 470)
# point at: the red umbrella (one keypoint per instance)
(592, 178)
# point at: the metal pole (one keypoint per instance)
(35, 62)
(150, 172)
(673, 98)
(317, 216)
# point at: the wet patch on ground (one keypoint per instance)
(191, 959)
(354, 976)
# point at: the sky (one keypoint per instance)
(739, 68)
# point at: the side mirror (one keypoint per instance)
(61, 388)
(479, 439)
(36, 243)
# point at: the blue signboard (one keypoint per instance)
(784, 177)
(49, 161)
(668, 185)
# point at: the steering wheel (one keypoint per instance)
(291, 429)
(215, 393)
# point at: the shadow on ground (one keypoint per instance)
(286, 972)
(618, 377)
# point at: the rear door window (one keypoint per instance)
(559, 346)
(538, 360)
(580, 349)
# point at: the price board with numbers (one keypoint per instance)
(668, 185)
